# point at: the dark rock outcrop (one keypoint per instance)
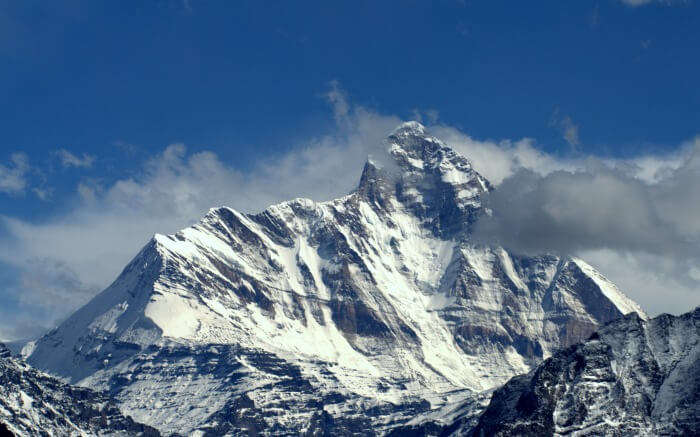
(632, 377)
(35, 404)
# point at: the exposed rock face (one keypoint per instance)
(4, 351)
(373, 308)
(633, 377)
(33, 403)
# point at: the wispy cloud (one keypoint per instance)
(429, 116)
(68, 159)
(570, 130)
(42, 193)
(338, 99)
(567, 127)
(13, 176)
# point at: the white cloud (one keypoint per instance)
(13, 177)
(68, 159)
(636, 219)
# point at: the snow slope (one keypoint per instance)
(374, 307)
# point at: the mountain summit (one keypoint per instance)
(426, 178)
(352, 315)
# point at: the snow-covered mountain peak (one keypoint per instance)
(410, 128)
(411, 150)
(376, 300)
(413, 137)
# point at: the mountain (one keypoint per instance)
(632, 377)
(352, 315)
(33, 403)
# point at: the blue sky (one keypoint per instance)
(96, 94)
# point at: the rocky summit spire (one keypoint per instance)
(425, 176)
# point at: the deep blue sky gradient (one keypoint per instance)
(243, 78)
